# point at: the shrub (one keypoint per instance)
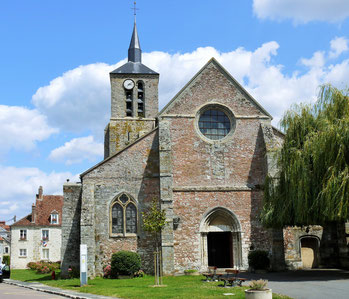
(125, 263)
(73, 272)
(44, 269)
(258, 284)
(31, 265)
(190, 271)
(43, 266)
(258, 259)
(107, 271)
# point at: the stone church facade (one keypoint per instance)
(204, 156)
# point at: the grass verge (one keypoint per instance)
(176, 286)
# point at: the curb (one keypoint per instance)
(52, 290)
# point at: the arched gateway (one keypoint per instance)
(220, 239)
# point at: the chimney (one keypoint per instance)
(39, 196)
(33, 213)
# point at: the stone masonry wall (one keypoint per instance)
(135, 171)
(70, 250)
(122, 132)
(292, 243)
(118, 97)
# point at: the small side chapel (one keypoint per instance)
(204, 156)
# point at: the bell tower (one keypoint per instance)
(134, 100)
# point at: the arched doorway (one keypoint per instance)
(309, 252)
(220, 239)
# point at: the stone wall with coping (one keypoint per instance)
(71, 213)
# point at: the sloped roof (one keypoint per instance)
(4, 225)
(43, 209)
(133, 68)
(25, 221)
(226, 73)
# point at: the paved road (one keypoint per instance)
(13, 292)
(311, 284)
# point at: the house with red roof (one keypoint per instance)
(37, 236)
(5, 239)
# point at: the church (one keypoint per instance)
(204, 157)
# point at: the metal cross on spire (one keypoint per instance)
(134, 8)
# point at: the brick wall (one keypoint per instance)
(206, 174)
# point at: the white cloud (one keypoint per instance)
(78, 150)
(81, 97)
(77, 100)
(317, 61)
(21, 128)
(19, 185)
(302, 11)
(338, 46)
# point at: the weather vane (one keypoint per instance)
(134, 8)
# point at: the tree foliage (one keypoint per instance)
(313, 182)
(154, 219)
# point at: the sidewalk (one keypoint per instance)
(56, 291)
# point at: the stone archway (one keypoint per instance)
(309, 246)
(220, 239)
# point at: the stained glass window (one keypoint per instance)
(124, 198)
(124, 215)
(214, 124)
(131, 218)
(117, 219)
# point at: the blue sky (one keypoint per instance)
(55, 57)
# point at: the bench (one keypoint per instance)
(211, 274)
(230, 278)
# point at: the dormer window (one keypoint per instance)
(140, 99)
(54, 218)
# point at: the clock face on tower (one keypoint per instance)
(128, 84)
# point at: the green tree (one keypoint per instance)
(312, 186)
(154, 220)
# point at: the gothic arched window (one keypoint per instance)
(123, 216)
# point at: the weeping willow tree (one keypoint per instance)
(312, 186)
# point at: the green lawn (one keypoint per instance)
(176, 286)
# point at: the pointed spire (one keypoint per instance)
(134, 50)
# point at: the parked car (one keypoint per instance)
(5, 272)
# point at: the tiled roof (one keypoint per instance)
(43, 209)
(27, 220)
(4, 225)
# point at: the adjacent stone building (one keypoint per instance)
(37, 236)
(204, 157)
